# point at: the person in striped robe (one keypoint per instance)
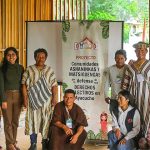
(37, 121)
(137, 80)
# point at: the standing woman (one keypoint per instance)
(1, 97)
(12, 73)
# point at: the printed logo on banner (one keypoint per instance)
(86, 43)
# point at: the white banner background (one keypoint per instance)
(93, 100)
(83, 47)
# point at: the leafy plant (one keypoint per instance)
(105, 29)
(126, 32)
(64, 86)
(119, 10)
(65, 28)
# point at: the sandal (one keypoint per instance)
(11, 147)
(17, 148)
(1, 148)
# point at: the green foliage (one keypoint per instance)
(64, 37)
(119, 10)
(100, 15)
(104, 24)
(98, 136)
(87, 23)
(65, 28)
(126, 32)
(105, 29)
(90, 135)
(64, 86)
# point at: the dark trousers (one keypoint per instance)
(58, 140)
(33, 138)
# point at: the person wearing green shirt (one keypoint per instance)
(10, 95)
(1, 89)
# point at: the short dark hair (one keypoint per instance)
(70, 91)
(130, 97)
(125, 93)
(39, 50)
(121, 52)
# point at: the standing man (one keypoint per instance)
(113, 78)
(37, 120)
(67, 126)
(137, 81)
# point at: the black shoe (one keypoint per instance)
(33, 147)
(44, 144)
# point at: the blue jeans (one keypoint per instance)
(112, 139)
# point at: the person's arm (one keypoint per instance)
(136, 126)
(53, 86)
(25, 76)
(25, 96)
(131, 61)
(114, 121)
(75, 137)
(66, 129)
(2, 95)
(54, 95)
(57, 119)
(126, 79)
(115, 126)
(80, 123)
(106, 85)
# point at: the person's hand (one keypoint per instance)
(53, 102)
(123, 141)
(74, 139)
(118, 133)
(67, 130)
(131, 61)
(107, 100)
(142, 143)
(4, 105)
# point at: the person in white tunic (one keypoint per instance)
(137, 80)
(38, 120)
(113, 78)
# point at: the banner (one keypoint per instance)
(85, 52)
(79, 51)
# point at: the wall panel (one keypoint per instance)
(13, 17)
(15, 13)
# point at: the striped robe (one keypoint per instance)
(38, 120)
(139, 89)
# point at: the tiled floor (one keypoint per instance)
(24, 141)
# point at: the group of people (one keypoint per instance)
(36, 89)
(129, 100)
(62, 128)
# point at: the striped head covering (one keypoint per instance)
(140, 45)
